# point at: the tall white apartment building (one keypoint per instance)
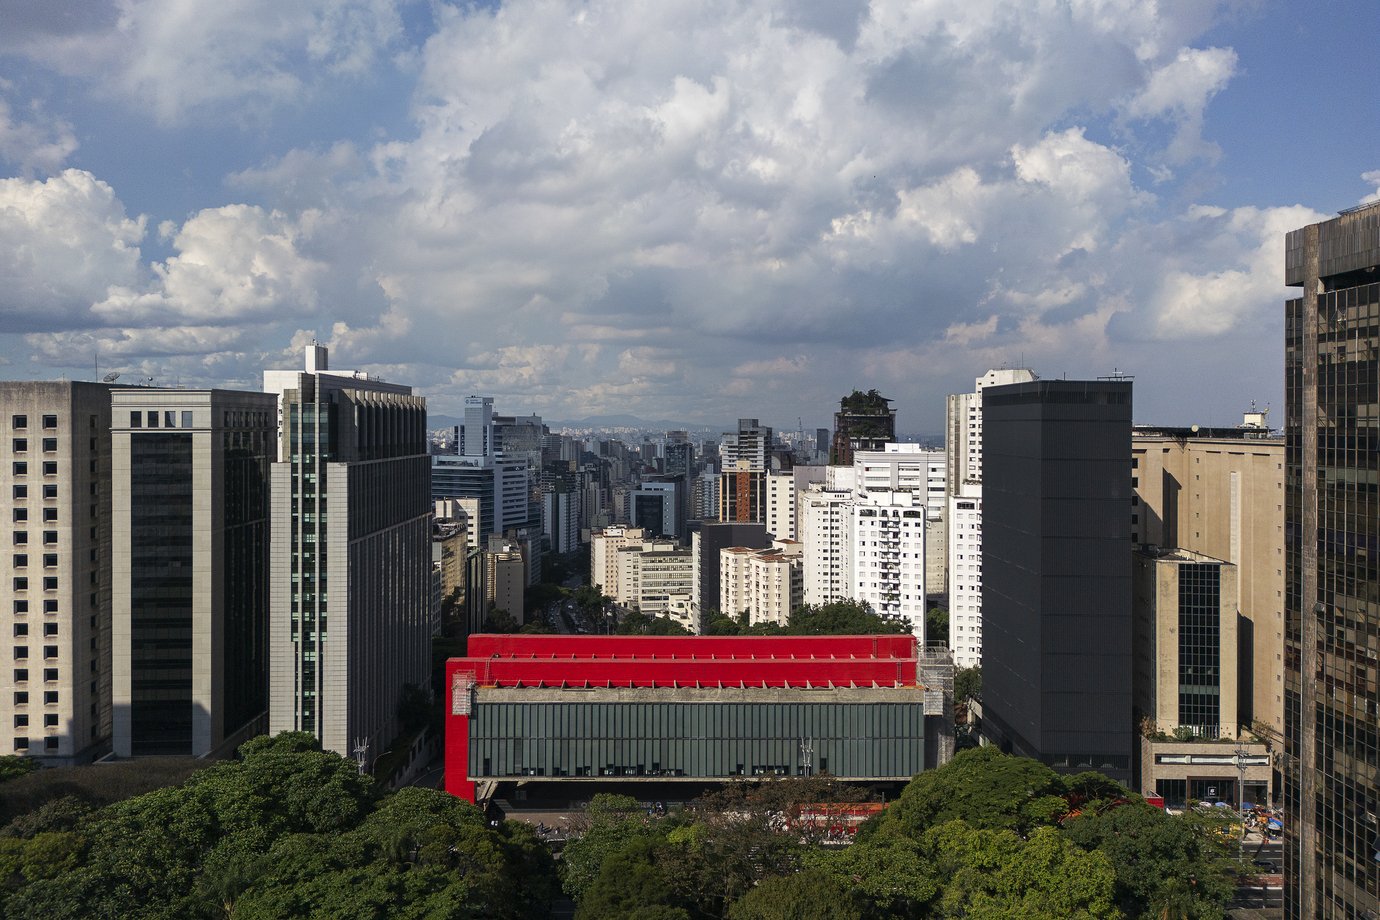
(766, 584)
(55, 571)
(824, 518)
(963, 447)
(963, 425)
(888, 554)
(965, 575)
(603, 556)
(350, 577)
(904, 467)
(908, 467)
(782, 488)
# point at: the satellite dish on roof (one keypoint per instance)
(111, 378)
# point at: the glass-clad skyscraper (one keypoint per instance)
(1332, 604)
(350, 597)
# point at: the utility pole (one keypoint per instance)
(1240, 754)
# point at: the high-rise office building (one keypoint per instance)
(1332, 574)
(189, 568)
(654, 507)
(560, 519)
(476, 435)
(746, 457)
(55, 571)
(350, 595)
(963, 499)
(501, 487)
(1056, 681)
(1218, 493)
(1191, 664)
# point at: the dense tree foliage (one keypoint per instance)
(987, 836)
(285, 831)
(937, 625)
(968, 684)
(288, 831)
(841, 618)
(646, 624)
(13, 766)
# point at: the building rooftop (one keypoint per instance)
(599, 662)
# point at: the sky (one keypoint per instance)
(682, 209)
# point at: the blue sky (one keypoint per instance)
(696, 210)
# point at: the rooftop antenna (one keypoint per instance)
(361, 752)
(111, 377)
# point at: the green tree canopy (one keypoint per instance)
(286, 831)
(646, 624)
(937, 625)
(843, 618)
(968, 684)
(994, 873)
(811, 893)
(1163, 862)
(982, 787)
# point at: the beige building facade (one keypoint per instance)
(1220, 492)
(766, 584)
(604, 545)
(55, 570)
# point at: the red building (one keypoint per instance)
(694, 708)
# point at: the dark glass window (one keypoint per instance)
(161, 591)
(50, 421)
(1200, 647)
(49, 445)
(19, 421)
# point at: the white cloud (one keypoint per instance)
(37, 143)
(234, 264)
(673, 208)
(1192, 294)
(1180, 90)
(173, 56)
(65, 242)
(1373, 178)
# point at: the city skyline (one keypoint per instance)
(558, 206)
